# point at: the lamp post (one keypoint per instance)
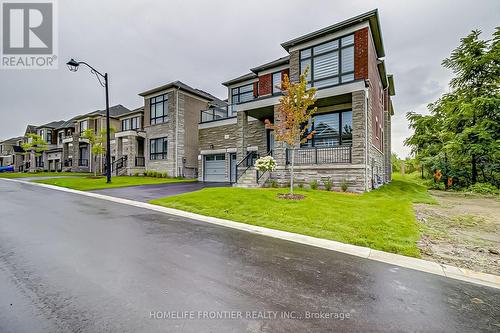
(73, 66)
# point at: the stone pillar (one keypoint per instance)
(279, 149)
(242, 121)
(295, 66)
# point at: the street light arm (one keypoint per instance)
(98, 74)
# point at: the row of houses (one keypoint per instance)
(188, 132)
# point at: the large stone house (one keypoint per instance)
(352, 124)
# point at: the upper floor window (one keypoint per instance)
(131, 123)
(158, 107)
(330, 63)
(158, 149)
(60, 136)
(49, 137)
(84, 125)
(276, 83)
(332, 129)
(242, 94)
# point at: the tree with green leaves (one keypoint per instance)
(35, 145)
(295, 110)
(461, 135)
(96, 142)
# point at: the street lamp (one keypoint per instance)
(73, 66)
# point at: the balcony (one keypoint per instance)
(320, 155)
(217, 113)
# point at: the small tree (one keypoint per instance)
(96, 141)
(36, 145)
(293, 113)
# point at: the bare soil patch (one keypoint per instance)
(462, 230)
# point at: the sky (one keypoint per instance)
(146, 43)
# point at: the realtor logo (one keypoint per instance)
(28, 35)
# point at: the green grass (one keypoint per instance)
(383, 219)
(40, 174)
(87, 184)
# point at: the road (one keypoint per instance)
(71, 263)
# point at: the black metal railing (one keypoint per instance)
(119, 164)
(83, 162)
(140, 161)
(217, 113)
(320, 155)
(247, 162)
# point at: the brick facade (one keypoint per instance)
(361, 54)
(265, 84)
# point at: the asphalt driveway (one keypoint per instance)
(146, 193)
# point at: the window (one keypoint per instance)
(218, 157)
(242, 94)
(329, 63)
(276, 83)
(131, 123)
(332, 129)
(49, 137)
(158, 149)
(84, 125)
(60, 137)
(158, 107)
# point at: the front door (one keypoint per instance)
(270, 139)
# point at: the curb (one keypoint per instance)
(448, 271)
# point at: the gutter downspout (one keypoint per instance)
(176, 132)
(366, 139)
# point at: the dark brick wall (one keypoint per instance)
(361, 54)
(265, 82)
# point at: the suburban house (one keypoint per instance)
(352, 124)
(79, 148)
(9, 151)
(171, 117)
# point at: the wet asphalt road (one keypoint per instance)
(69, 263)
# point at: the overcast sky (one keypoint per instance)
(143, 44)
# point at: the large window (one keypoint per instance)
(49, 137)
(158, 107)
(242, 94)
(331, 129)
(131, 123)
(329, 63)
(276, 83)
(158, 149)
(84, 125)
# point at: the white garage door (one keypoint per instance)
(215, 168)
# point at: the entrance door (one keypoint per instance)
(233, 163)
(215, 168)
(270, 140)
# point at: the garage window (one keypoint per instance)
(220, 157)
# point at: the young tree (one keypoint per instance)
(36, 145)
(96, 141)
(294, 112)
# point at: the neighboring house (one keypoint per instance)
(82, 159)
(171, 116)
(50, 159)
(352, 124)
(129, 146)
(9, 151)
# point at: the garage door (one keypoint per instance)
(215, 168)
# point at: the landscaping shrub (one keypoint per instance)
(164, 175)
(328, 184)
(274, 183)
(344, 185)
(314, 185)
(300, 185)
(483, 188)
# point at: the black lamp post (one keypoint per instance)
(73, 66)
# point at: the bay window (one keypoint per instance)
(330, 63)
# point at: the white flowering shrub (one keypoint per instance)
(266, 163)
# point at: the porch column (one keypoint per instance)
(242, 121)
(279, 149)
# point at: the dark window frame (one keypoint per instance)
(155, 155)
(160, 99)
(312, 56)
(239, 93)
(311, 142)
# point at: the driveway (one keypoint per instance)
(146, 193)
(72, 263)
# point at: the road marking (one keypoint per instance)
(448, 271)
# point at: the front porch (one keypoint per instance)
(128, 150)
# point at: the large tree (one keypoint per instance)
(461, 136)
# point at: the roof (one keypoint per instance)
(30, 129)
(12, 140)
(137, 110)
(371, 17)
(52, 124)
(275, 63)
(241, 78)
(182, 86)
(114, 112)
(68, 123)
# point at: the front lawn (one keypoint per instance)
(87, 183)
(40, 174)
(383, 219)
